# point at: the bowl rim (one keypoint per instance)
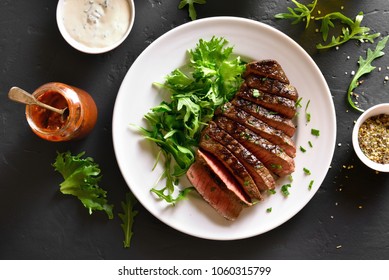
(91, 50)
(378, 109)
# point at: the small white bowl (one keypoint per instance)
(373, 111)
(90, 49)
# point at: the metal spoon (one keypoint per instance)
(22, 96)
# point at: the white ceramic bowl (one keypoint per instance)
(88, 49)
(373, 111)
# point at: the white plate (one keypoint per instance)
(252, 39)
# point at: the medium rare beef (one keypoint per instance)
(234, 166)
(248, 143)
(261, 128)
(260, 174)
(279, 104)
(224, 175)
(273, 119)
(271, 155)
(267, 68)
(272, 86)
(214, 190)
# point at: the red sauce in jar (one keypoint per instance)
(76, 122)
(47, 119)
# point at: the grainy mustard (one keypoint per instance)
(373, 138)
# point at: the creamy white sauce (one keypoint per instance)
(96, 23)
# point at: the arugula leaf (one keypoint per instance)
(81, 177)
(365, 67)
(127, 218)
(211, 78)
(353, 30)
(300, 13)
(191, 8)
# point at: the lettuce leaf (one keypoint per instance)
(81, 177)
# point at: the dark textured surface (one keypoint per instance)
(350, 209)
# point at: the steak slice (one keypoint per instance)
(272, 86)
(267, 68)
(279, 104)
(225, 176)
(234, 166)
(260, 174)
(214, 190)
(261, 128)
(271, 155)
(273, 119)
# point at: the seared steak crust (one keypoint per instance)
(271, 155)
(248, 143)
(234, 166)
(273, 119)
(260, 174)
(272, 86)
(267, 68)
(279, 104)
(261, 128)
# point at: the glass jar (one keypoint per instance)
(75, 123)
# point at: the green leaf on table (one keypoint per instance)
(365, 67)
(352, 30)
(191, 7)
(300, 13)
(127, 218)
(81, 178)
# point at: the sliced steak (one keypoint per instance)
(271, 155)
(272, 86)
(214, 190)
(260, 174)
(273, 119)
(261, 128)
(267, 68)
(279, 104)
(224, 175)
(235, 167)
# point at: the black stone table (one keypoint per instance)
(348, 218)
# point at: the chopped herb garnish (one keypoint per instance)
(272, 191)
(276, 166)
(307, 171)
(315, 132)
(310, 144)
(298, 103)
(302, 149)
(310, 184)
(256, 93)
(268, 210)
(307, 114)
(285, 189)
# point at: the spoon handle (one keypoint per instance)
(22, 96)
